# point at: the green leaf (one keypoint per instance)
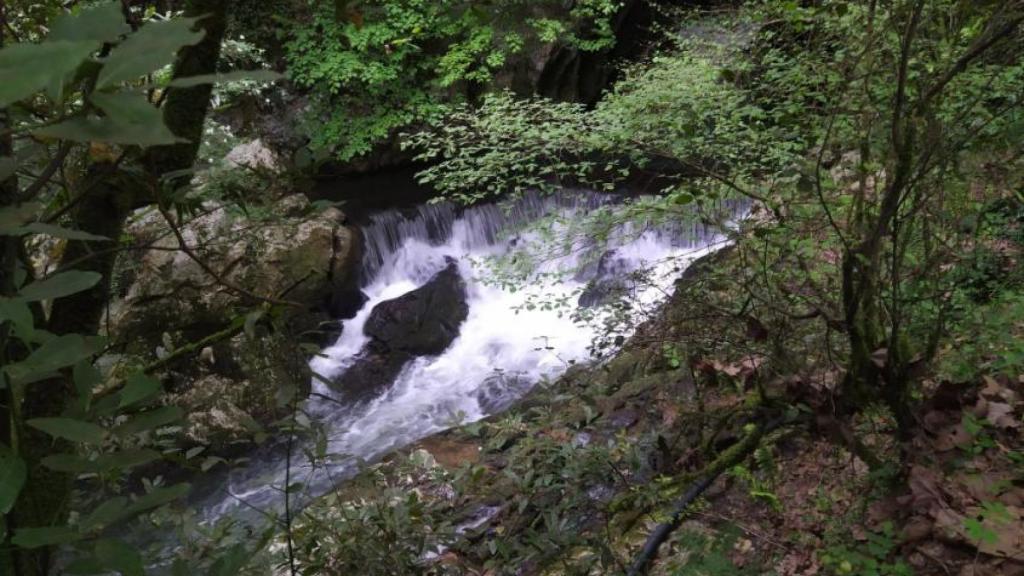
(158, 497)
(17, 312)
(56, 353)
(139, 387)
(72, 463)
(86, 378)
(123, 460)
(84, 565)
(41, 537)
(28, 68)
(107, 129)
(230, 563)
(13, 217)
(59, 286)
(103, 23)
(106, 514)
(68, 429)
(150, 420)
(12, 479)
(59, 232)
(151, 48)
(236, 76)
(117, 555)
(127, 107)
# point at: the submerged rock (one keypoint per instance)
(500, 391)
(423, 322)
(607, 281)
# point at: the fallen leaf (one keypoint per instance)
(916, 529)
(1000, 415)
(1005, 534)
(951, 437)
(924, 488)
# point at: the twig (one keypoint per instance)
(188, 349)
(737, 453)
(48, 172)
(183, 244)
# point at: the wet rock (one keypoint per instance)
(500, 391)
(347, 302)
(600, 292)
(607, 280)
(370, 374)
(424, 321)
(607, 266)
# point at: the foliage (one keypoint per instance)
(397, 530)
(988, 340)
(871, 558)
(705, 554)
(375, 67)
(507, 145)
(92, 90)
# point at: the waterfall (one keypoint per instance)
(505, 346)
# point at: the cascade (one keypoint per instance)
(505, 346)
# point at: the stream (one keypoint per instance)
(503, 349)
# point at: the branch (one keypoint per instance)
(979, 48)
(183, 244)
(735, 454)
(193, 347)
(48, 172)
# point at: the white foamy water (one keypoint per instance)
(499, 337)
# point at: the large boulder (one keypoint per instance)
(299, 254)
(167, 301)
(423, 322)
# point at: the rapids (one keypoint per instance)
(502, 335)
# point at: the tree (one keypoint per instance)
(932, 122)
(914, 90)
(48, 384)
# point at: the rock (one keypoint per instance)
(231, 401)
(607, 281)
(451, 452)
(231, 387)
(306, 256)
(370, 374)
(500, 391)
(253, 155)
(424, 321)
